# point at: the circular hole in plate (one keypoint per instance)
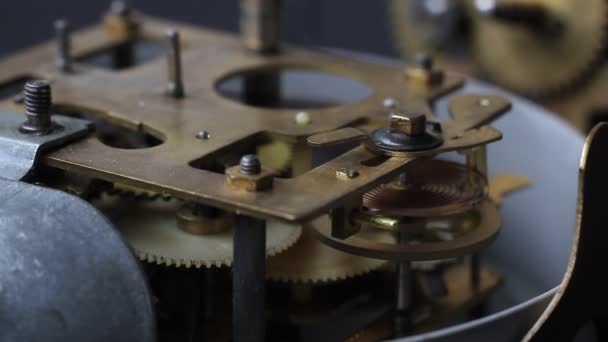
(291, 88)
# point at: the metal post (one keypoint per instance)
(175, 85)
(248, 279)
(260, 23)
(63, 60)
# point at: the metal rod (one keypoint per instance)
(175, 85)
(63, 60)
(403, 303)
(260, 24)
(248, 279)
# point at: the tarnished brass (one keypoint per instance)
(249, 182)
(133, 98)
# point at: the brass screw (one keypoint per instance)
(411, 124)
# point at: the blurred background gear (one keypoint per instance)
(539, 47)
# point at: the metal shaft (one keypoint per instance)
(37, 107)
(260, 23)
(175, 86)
(62, 32)
(403, 303)
(248, 279)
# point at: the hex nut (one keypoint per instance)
(252, 183)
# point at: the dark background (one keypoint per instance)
(360, 25)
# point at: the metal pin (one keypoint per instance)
(260, 23)
(62, 32)
(175, 86)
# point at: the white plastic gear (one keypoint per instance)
(151, 229)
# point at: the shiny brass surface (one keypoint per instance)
(474, 230)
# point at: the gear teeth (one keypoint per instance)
(310, 261)
(150, 227)
(225, 262)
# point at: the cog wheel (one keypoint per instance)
(310, 260)
(132, 192)
(516, 50)
(151, 229)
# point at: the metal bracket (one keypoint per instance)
(19, 152)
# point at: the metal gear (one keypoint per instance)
(310, 260)
(514, 53)
(151, 229)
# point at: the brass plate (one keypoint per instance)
(135, 98)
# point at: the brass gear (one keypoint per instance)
(151, 229)
(310, 260)
(426, 25)
(520, 58)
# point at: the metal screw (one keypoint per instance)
(203, 135)
(389, 102)
(37, 107)
(303, 119)
(175, 86)
(345, 172)
(250, 164)
(484, 102)
(411, 124)
(62, 32)
(424, 61)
